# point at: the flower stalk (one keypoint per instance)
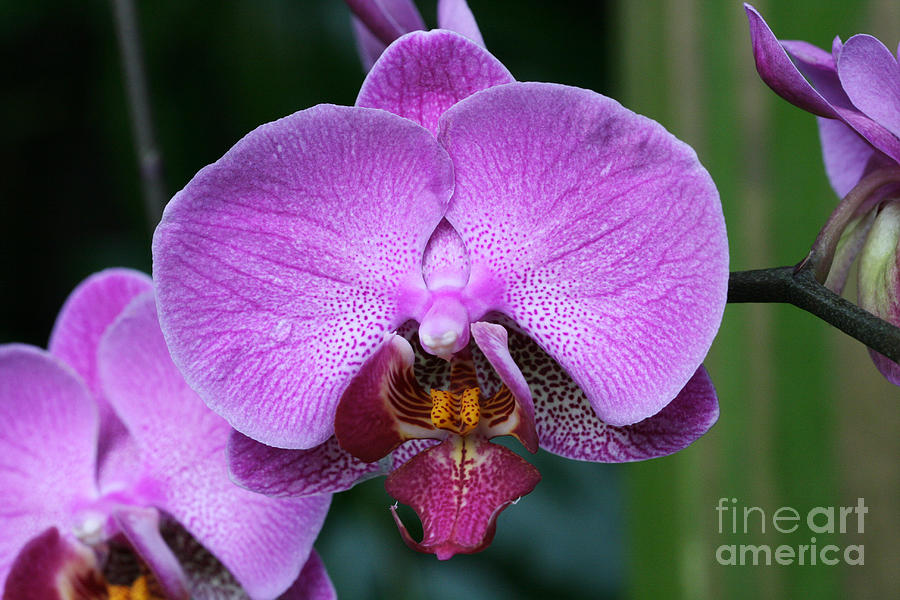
(798, 286)
(150, 164)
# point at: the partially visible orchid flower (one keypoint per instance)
(105, 452)
(854, 90)
(564, 255)
(377, 23)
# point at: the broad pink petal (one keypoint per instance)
(48, 446)
(279, 268)
(596, 231)
(262, 541)
(384, 406)
(456, 15)
(871, 77)
(53, 567)
(458, 489)
(313, 582)
(424, 73)
(87, 312)
(141, 527)
(493, 341)
(282, 473)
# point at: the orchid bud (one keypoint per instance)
(878, 278)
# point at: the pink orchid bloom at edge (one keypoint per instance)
(104, 443)
(854, 91)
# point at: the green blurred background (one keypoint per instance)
(805, 419)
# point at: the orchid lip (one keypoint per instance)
(459, 486)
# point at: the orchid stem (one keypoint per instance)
(800, 288)
(150, 163)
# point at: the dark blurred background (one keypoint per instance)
(806, 420)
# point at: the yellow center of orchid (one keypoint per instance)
(457, 413)
(141, 589)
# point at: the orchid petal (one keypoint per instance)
(879, 278)
(568, 426)
(52, 567)
(122, 468)
(596, 231)
(141, 527)
(87, 312)
(262, 541)
(424, 73)
(384, 405)
(207, 577)
(456, 15)
(847, 156)
(313, 582)
(307, 234)
(458, 489)
(871, 77)
(325, 469)
(493, 341)
(92, 307)
(818, 67)
(387, 19)
(779, 73)
(283, 473)
(836, 46)
(47, 448)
